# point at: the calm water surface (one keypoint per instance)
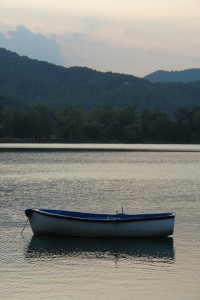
(70, 268)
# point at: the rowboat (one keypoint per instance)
(82, 224)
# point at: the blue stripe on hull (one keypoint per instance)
(88, 217)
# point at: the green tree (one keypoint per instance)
(183, 118)
(2, 129)
(71, 123)
(95, 132)
(155, 126)
(128, 121)
(19, 125)
(41, 123)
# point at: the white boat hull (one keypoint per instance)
(48, 224)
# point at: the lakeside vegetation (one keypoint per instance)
(99, 125)
(42, 102)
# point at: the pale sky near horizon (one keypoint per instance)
(126, 36)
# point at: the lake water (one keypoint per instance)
(146, 179)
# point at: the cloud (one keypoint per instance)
(102, 54)
(135, 48)
(3, 41)
(83, 49)
(95, 24)
(36, 46)
(131, 32)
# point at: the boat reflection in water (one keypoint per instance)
(51, 247)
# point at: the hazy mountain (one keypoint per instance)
(30, 81)
(174, 76)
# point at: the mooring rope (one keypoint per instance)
(24, 226)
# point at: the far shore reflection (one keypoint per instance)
(51, 247)
(99, 147)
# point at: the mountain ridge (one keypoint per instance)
(31, 81)
(184, 76)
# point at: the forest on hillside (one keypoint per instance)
(29, 82)
(188, 75)
(99, 125)
(42, 102)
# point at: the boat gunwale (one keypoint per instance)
(110, 218)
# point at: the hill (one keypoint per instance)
(25, 82)
(174, 76)
(33, 81)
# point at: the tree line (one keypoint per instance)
(99, 125)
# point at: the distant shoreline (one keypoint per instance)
(50, 147)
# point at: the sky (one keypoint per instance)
(134, 37)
